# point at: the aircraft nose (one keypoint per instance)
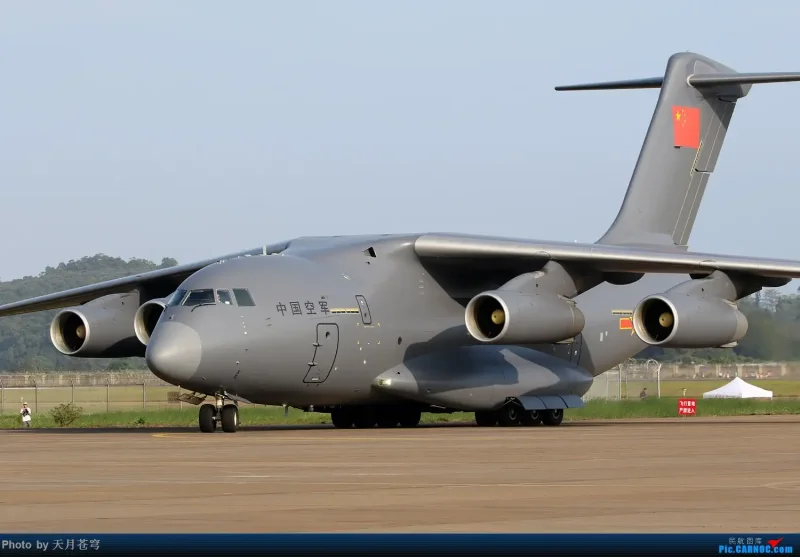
(174, 352)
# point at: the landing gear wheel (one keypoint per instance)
(486, 419)
(553, 417)
(364, 417)
(387, 417)
(508, 415)
(410, 417)
(230, 418)
(530, 418)
(342, 418)
(208, 418)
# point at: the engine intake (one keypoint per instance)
(508, 317)
(102, 328)
(682, 321)
(147, 317)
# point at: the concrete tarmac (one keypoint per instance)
(684, 475)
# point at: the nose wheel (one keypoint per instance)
(225, 414)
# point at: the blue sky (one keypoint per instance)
(193, 129)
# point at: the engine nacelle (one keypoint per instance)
(147, 317)
(508, 317)
(684, 321)
(102, 328)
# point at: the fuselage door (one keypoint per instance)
(366, 317)
(325, 349)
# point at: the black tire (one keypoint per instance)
(387, 416)
(342, 418)
(486, 419)
(230, 418)
(364, 417)
(552, 418)
(410, 417)
(207, 418)
(508, 415)
(530, 418)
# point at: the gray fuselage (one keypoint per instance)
(333, 318)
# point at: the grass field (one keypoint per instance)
(696, 388)
(260, 415)
(136, 398)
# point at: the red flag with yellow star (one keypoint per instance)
(686, 126)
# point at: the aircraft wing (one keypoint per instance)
(76, 296)
(464, 250)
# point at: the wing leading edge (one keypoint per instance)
(605, 258)
(83, 294)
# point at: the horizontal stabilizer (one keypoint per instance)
(645, 83)
(715, 79)
(697, 81)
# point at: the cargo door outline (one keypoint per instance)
(363, 307)
(326, 348)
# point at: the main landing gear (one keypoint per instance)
(513, 414)
(362, 417)
(225, 414)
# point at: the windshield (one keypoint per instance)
(243, 297)
(197, 297)
(176, 298)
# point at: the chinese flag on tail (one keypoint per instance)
(686, 126)
(625, 323)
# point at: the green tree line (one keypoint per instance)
(773, 334)
(25, 339)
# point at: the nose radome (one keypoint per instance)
(174, 351)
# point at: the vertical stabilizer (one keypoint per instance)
(680, 151)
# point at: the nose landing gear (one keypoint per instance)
(225, 414)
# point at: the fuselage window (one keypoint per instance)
(197, 297)
(224, 297)
(176, 298)
(243, 297)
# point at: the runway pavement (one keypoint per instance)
(685, 475)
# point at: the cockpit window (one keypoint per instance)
(224, 297)
(197, 297)
(243, 297)
(176, 298)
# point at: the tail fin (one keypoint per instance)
(695, 106)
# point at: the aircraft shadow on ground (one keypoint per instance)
(683, 422)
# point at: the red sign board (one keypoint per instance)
(687, 407)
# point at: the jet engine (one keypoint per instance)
(147, 317)
(102, 328)
(509, 317)
(683, 321)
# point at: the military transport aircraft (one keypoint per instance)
(377, 329)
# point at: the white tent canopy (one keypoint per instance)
(738, 388)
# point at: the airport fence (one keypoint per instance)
(141, 390)
(93, 392)
(630, 378)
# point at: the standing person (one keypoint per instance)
(26, 415)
